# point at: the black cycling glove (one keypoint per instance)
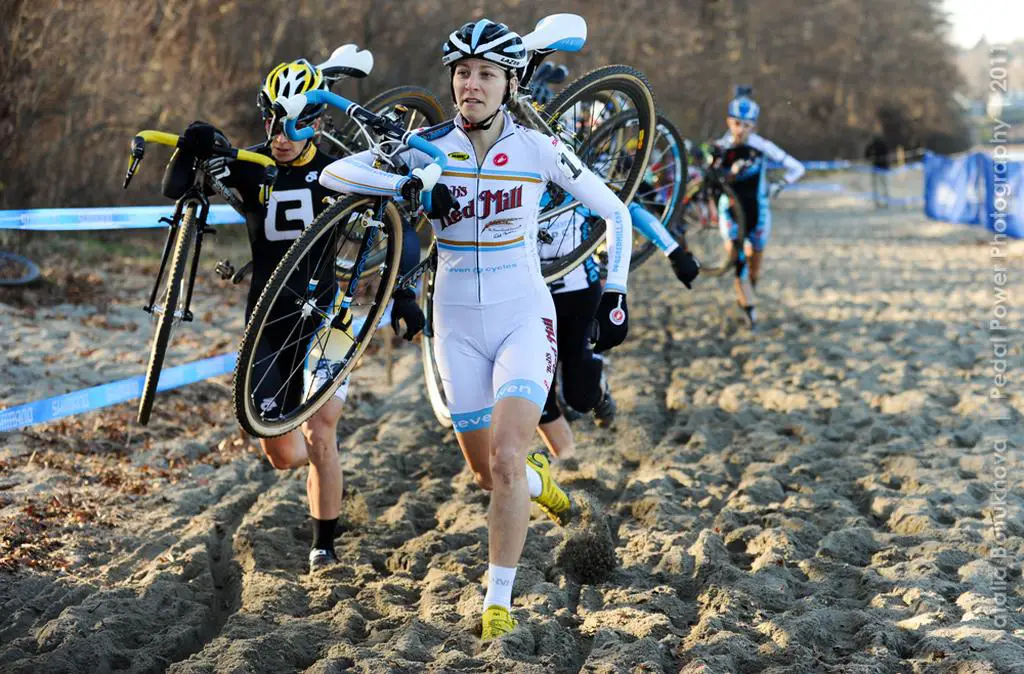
(685, 266)
(405, 308)
(612, 321)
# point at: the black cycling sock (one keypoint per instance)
(323, 533)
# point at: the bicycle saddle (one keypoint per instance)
(558, 32)
(348, 60)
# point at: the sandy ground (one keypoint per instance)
(821, 496)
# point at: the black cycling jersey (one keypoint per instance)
(297, 198)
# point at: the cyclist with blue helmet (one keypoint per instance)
(748, 155)
(495, 324)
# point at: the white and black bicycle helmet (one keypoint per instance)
(486, 40)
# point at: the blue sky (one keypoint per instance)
(998, 20)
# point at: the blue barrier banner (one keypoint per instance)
(836, 188)
(975, 190)
(105, 395)
(1006, 199)
(955, 188)
(130, 217)
(815, 187)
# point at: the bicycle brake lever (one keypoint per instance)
(135, 158)
(269, 178)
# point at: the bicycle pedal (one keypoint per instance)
(224, 269)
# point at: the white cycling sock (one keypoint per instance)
(499, 586)
(533, 482)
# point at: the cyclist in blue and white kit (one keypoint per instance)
(495, 326)
(749, 154)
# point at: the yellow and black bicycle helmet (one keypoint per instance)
(290, 79)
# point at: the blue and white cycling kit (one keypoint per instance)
(494, 320)
(751, 186)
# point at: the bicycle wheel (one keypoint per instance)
(698, 226)
(620, 159)
(316, 315)
(16, 270)
(166, 310)
(661, 191)
(431, 375)
(423, 110)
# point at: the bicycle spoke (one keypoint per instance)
(322, 284)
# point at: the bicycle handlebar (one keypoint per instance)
(291, 106)
(174, 140)
(138, 150)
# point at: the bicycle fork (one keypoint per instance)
(342, 319)
(201, 229)
(174, 225)
(172, 232)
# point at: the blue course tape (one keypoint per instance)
(844, 164)
(90, 399)
(135, 217)
(105, 395)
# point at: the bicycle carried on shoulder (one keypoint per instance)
(170, 299)
(324, 301)
(699, 224)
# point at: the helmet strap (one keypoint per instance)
(483, 124)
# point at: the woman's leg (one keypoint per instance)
(285, 451)
(324, 485)
(514, 421)
(324, 482)
(581, 370)
(557, 435)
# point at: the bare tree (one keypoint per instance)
(78, 77)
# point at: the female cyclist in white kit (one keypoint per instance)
(494, 320)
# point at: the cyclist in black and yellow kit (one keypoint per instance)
(297, 198)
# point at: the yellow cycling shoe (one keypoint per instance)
(496, 621)
(552, 500)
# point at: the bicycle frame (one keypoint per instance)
(194, 195)
(387, 128)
